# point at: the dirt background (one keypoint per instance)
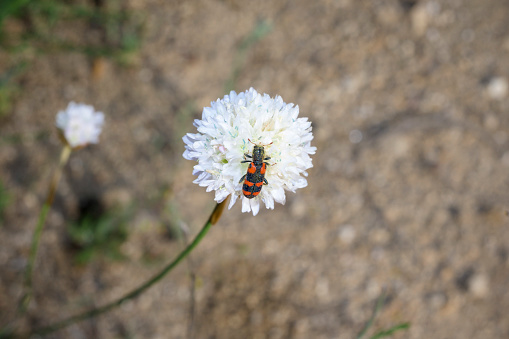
(408, 194)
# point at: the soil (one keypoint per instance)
(408, 195)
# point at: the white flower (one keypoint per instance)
(231, 127)
(80, 124)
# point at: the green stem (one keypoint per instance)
(25, 300)
(214, 217)
(378, 307)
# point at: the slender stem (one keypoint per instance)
(379, 304)
(25, 300)
(214, 217)
(392, 330)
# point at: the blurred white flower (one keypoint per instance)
(80, 124)
(231, 127)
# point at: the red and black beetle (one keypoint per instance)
(255, 176)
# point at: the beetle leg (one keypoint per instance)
(265, 182)
(242, 179)
(267, 158)
(245, 158)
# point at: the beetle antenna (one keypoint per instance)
(260, 144)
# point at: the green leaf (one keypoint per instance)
(391, 331)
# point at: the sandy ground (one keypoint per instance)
(408, 194)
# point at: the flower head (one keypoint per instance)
(80, 124)
(231, 127)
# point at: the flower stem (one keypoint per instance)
(214, 217)
(25, 300)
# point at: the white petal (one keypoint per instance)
(246, 205)
(268, 200)
(80, 124)
(279, 195)
(255, 206)
(232, 201)
(221, 195)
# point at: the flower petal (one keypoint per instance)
(246, 205)
(255, 206)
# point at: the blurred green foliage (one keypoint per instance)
(9, 88)
(7, 92)
(382, 333)
(5, 199)
(11, 8)
(28, 28)
(118, 29)
(391, 331)
(97, 236)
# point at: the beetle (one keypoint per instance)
(254, 179)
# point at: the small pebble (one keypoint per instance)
(420, 17)
(355, 136)
(497, 88)
(347, 234)
(479, 286)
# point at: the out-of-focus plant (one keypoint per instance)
(120, 30)
(8, 87)
(11, 8)
(29, 28)
(78, 126)
(5, 199)
(100, 234)
(381, 333)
